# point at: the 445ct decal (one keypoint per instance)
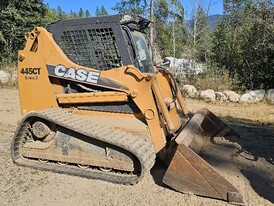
(30, 70)
(72, 73)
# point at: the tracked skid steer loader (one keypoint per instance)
(93, 105)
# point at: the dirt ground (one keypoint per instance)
(251, 172)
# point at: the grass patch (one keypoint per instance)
(218, 80)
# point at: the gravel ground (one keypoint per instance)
(252, 174)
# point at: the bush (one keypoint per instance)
(218, 80)
(213, 81)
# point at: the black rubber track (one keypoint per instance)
(141, 148)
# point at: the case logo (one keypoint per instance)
(75, 74)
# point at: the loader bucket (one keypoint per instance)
(187, 172)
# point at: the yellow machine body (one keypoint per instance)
(52, 117)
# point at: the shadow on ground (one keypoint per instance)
(261, 184)
(257, 141)
(158, 172)
(254, 145)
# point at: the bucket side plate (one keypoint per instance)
(189, 173)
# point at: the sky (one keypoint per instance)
(74, 5)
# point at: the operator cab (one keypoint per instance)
(105, 42)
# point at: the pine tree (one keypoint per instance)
(169, 24)
(51, 15)
(71, 14)
(248, 49)
(166, 12)
(18, 17)
(97, 11)
(101, 11)
(87, 13)
(61, 14)
(198, 34)
(81, 13)
(132, 6)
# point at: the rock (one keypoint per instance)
(184, 66)
(247, 98)
(190, 91)
(14, 77)
(4, 77)
(232, 96)
(220, 96)
(258, 94)
(270, 96)
(208, 95)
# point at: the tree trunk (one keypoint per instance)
(152, 19)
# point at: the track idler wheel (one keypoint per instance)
(105, 169)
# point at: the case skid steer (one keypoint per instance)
(93, 105)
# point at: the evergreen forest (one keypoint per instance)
(239, 45)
